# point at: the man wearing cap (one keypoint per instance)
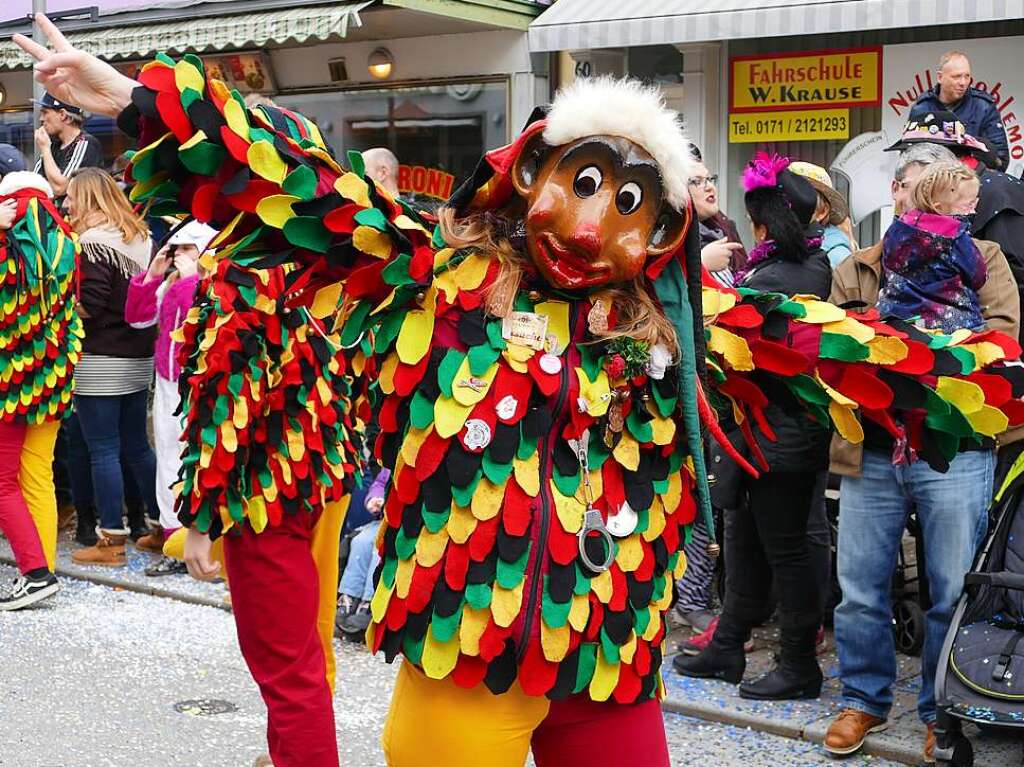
(63, 146)
(875, 498)
(975, 108)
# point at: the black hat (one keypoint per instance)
(10, 159)
(49, 102)
(769, 174)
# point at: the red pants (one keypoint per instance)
(283, 595)
(580, 731)
(15, 519)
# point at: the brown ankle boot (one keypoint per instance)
(108, 551)
(153, 541)
(848, 731)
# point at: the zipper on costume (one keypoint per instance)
(557, 423)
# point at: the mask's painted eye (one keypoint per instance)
(587, 181)
(629, 198)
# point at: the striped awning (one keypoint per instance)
(571, 25)
(203, 34)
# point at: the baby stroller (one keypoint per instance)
(980, 677)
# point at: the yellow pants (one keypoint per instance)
(36, 479)
(435, 722)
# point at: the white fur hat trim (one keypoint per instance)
(24, 179)
(606, 106)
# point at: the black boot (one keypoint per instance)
(723, 658)
(137, 524)
(85, 529)
(797, 675)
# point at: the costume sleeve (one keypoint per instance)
(40, 329)
(265, 179)
(278, 339)
(932, 391)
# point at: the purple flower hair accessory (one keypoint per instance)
(763, 170)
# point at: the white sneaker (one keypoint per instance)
(28, 591)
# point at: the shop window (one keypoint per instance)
(438, 132)
(17, 128)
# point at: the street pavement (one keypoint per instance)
(101, 677)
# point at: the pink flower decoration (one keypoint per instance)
(763, 170)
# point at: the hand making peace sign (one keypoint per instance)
(74, 76)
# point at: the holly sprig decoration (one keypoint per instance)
(626, 357)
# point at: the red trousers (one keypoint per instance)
(580, 731)
(283, 589)
(15, 519)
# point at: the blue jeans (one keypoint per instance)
(357, 580)
(113, 426)
(873, 508)
(79, 470)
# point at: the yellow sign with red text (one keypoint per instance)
(806, 125)
(806, 80)
(431, 182)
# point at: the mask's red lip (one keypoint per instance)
(567, 260)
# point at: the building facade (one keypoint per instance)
(437, 82)
(821, 81)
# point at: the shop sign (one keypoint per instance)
(430, 182)
(910, 70)
(805, 125)
(806, 80)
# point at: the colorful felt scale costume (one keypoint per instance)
(545, 470)
(40, 331)
(40, 340)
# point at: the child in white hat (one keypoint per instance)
(162, 296)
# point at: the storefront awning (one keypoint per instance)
(571, 25)
(208, 33)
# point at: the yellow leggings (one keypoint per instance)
(36, 479)
(436, 722)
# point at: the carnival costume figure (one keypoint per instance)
(536, 360)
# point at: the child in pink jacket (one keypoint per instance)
(163, 296)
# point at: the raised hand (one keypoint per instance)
(8, 212)
(159, 265)
(74, 76)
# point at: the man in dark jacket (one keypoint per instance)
(975, 108)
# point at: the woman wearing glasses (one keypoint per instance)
(721, 249)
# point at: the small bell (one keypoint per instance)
(534, 295)
(714, 550)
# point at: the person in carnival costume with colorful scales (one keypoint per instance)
(40, 341)
(536, 362)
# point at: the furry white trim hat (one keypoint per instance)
(631, 110)
(24, 179)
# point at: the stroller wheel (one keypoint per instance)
(961, 754)
(908, 626)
